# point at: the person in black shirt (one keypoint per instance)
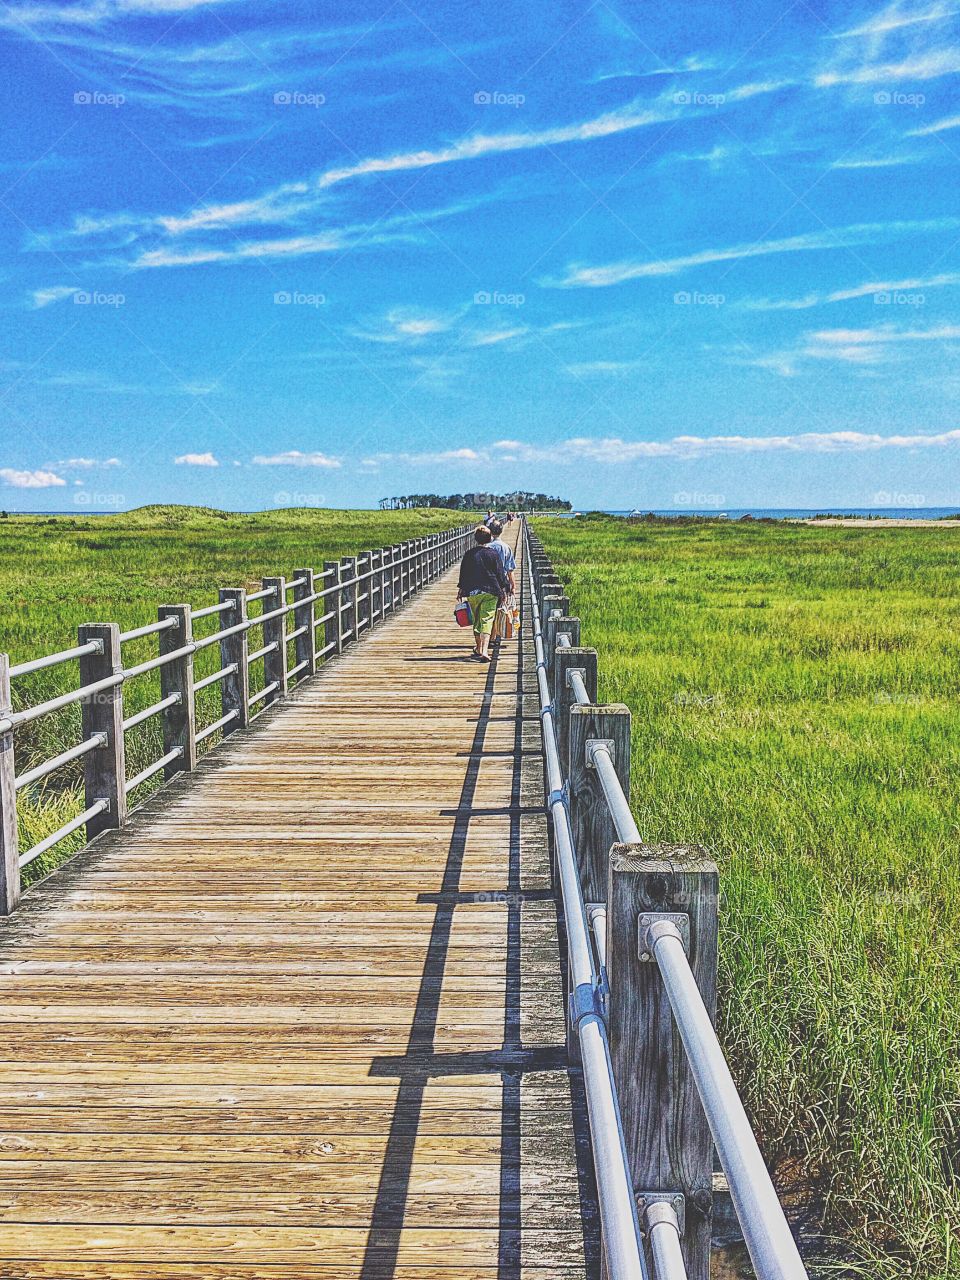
(483, 581)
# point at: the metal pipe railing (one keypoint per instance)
(771, 1246)
(773, 1251)
(598, 754)
(618, 1211)
(663, 1232)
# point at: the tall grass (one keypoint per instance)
(58, 572)
(795, 697)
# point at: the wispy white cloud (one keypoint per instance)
(196, 460)
(496, 336)
(894, 18)
(615, 451)
(406, 325)
(599, 277)
(35, 15)
(873, 288)
(39, 479)
(84, 464)
(634, 115)
(938, 126)
(54, 293)
(296, 458)
(868, 346)
(439, 458)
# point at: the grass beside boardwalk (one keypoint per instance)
(795, 698)
(57, 572)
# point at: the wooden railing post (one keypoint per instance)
(405, 571)
(332, 628)
(235, 652)
(593, 829)
(180, 720)
(9, 837)
(104, 770)
(350, 614)
(563, 625)
(668, 1141)
(376, 587)
(564, 661)
(305, 615)
(275, 632)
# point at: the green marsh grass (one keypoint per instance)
(796, 709)
(58, 572)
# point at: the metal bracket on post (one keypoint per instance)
(651, 1206)
(586, 1001)
(590, 748)
(653, 925)
(580, 671)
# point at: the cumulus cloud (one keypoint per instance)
(196, 460)
(30, 479)
(427, 459)
(295, 458)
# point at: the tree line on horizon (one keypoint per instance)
(519, 500)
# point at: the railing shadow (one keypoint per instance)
(421, 1061)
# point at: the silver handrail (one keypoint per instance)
(618, 1210)
(773, 1251)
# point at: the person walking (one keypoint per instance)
(505, 554)
(484, 583)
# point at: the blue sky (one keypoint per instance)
(266, 254)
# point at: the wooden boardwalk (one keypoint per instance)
(303, 1016)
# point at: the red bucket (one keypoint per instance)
(463, 614)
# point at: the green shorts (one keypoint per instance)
(484, 610)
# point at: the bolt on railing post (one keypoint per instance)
(332, 628)
(348, 599)
(275, 632)
(305, 615)
(593, 827)
(567, 660)
(9, 837)
(104, 770)
(668, 1139)
(179, 722)
(235, 652)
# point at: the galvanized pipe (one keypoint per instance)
(618, 1212)
(663, 1228)
(598, 754)
(772, 1249)
(57, 762)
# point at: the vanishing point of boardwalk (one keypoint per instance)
(304, 1015)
